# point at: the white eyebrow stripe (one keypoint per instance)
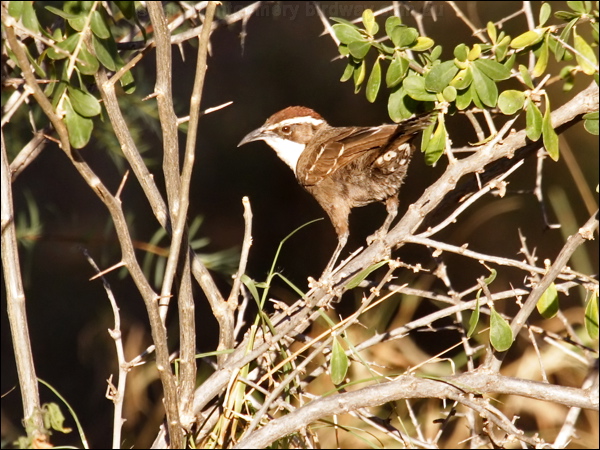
(296, 121)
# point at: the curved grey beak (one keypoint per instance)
(255, 135)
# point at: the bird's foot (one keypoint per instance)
(379, 235)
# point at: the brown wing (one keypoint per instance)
(339, 149)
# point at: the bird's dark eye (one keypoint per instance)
(286, 129)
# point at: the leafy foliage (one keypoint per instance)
(417, 75)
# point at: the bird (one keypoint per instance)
(343, 167)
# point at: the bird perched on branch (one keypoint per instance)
(343, 167)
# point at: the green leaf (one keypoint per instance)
(54, 418)
(354, 282)
(440, 76)
(398, 105)
(374, 82)
(526, 76)
(343, 49)
(567, 74)
(87, 63)
(511, 101)
(449, 93)
(474, 53)
(391, 23)
(78, 22)
(501, 336)
(547, 305)
(359, 75)
(493, 69)
(436, 145)
(463, 79)
(545, 12)
(368, 19)
(347, 33)
(587, 57)
(542, 61)
(502, 48)
(29, 17)
(435, 53)
(359, 49)
(348, 71)
(548, 133)
(338, 366)
(396, 71)
(528, 38)
(68, 45)
(485, 88)
(534, 121)
(491, 277)
(79, 127)
(566, 15)
(59, 12)
(491, 31)
(461, 51)
(577, 6)
(99, 26)
(475, 97)
(84, 103)
(414, 85)
(127, 81)
(105, 52)
(464, 98)
(403, 36)
(474, 319)
(591, 122)
(591, 316)
(15, 9)
(423, 43)
(560, 50)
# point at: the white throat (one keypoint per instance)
(288, 151)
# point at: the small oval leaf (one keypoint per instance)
(511, 101)
(493, 69)
(347, 33)
(528, 38)
(423, 43)
(374, 82)
(463, 79)
(474, 319)
(84, 103)
(79, 127)
(359, 49)
(501, 336)
(396, 71)
(542, 61)
(585, 56)
(436, 145)
(338, 366)
(549, 135)
(440, 76)
(591, 316)
(485, 88)
(534, 122)
(415, 88)
(547, 305)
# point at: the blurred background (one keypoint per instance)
(284, 60)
